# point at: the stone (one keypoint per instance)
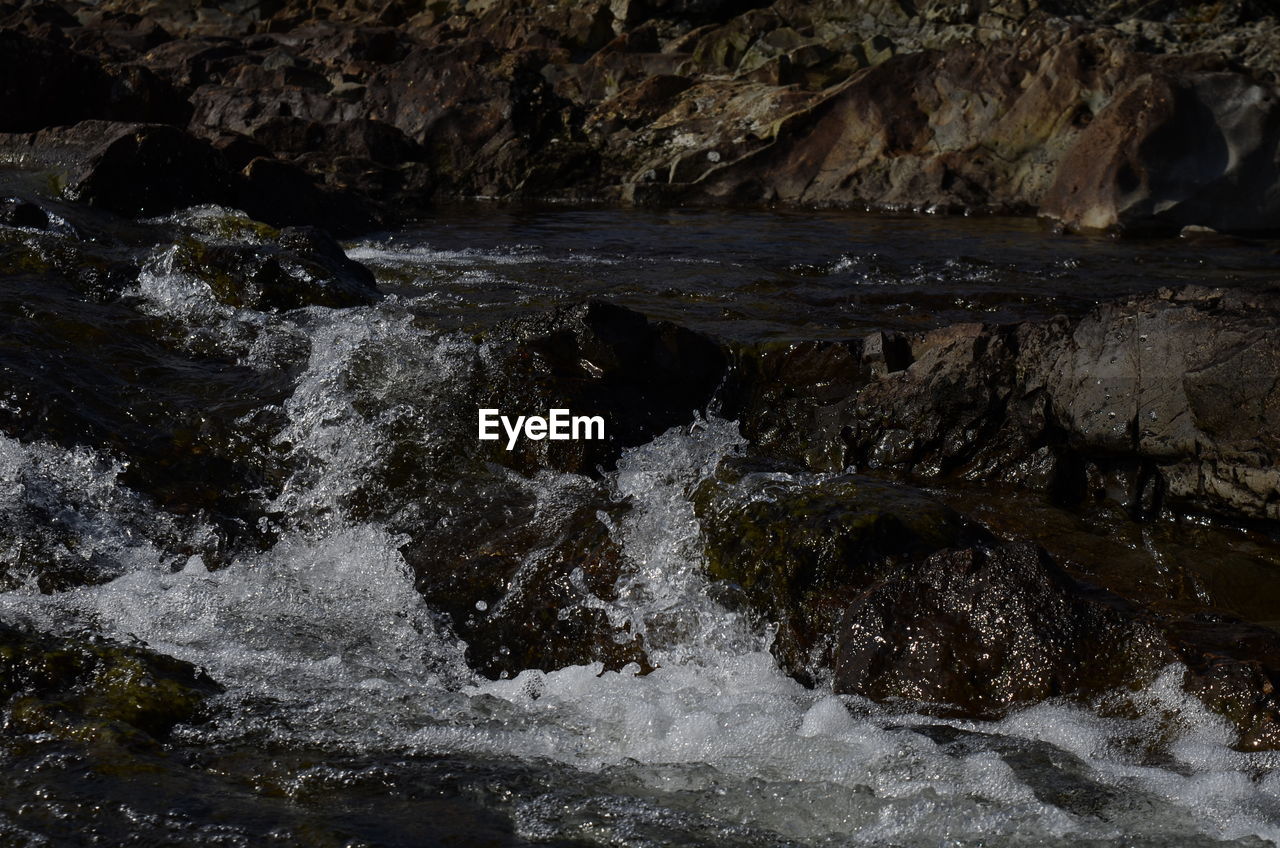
(153, 170)
(975, 632)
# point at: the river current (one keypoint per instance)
(350, 715)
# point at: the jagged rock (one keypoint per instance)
(44, 83)
(1170, 396)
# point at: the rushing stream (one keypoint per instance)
(350, 715)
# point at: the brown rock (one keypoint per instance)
(1168, 152)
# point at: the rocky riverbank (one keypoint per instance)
(1097, 116)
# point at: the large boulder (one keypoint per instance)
(153, 170)
(980, 631)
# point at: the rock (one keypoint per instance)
(1184, 380)
(47, 84)
(643, 377)
(1010, 107)
(789, 397)
(153, 170)
(975, 632)
(1167, 397)
(78, 687)
(523, 575)
(301, 266)
(979, 631)
(795, 549)
(1170, 152)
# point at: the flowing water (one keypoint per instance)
(350, 715)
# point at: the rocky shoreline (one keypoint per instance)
(1138, 117)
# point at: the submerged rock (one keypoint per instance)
(82, 688)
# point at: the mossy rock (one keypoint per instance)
(78, 688)
(796, 548)
(288, 269)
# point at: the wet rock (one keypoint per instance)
(299, 266)
(1166, 398)
(796, 549)
(82, 687)
(1184, 380)
(977, 631)
(1234, 668)
(598, 359)
(524, 573)
(790, 397)
(153, 170)
(978, 387)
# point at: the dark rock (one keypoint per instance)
(17, 212)
(302, 266)
(796, 549)
(790, 397)
(282, 194)
(153, 170)
(62, 92)
(977, 631)
(523, 578)
(68, 687)
(239, 150)
(643, 377)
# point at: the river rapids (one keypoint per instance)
(349, 713)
